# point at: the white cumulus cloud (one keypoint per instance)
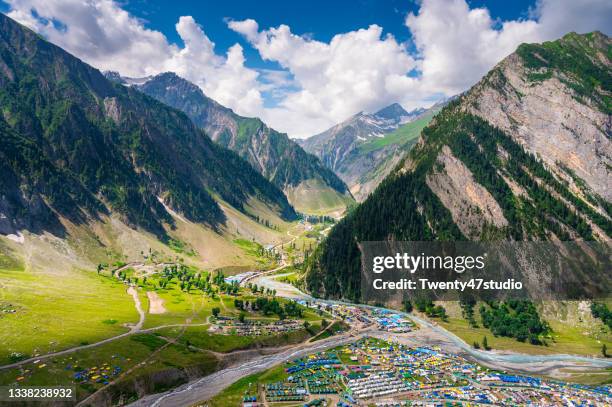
(321, 82)
(458, 44)
(354, 71)
(365, 70)
(109, 38)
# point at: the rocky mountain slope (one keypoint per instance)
(525, 154)
(273, 154)
(364, 149)
(76, 148)
(554, 100)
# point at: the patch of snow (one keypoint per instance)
(372, 120)
(136, 81)
(170, 211)
(19, 238)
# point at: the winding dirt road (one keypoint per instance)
(136, 328)
(132, 291)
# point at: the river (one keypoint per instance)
(429, 334)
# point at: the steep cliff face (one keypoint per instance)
(470, 204)
(272, 154)
(554, 100)
(525, 154)
(188, 98)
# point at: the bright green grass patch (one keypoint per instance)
(198, 337)
(571, 339)
(312, 197)
(110, 321)
(7, 260)
(151, 341)
(55, 312)
(256, 252)
(288, 278)
(402, 135)
(250, 247)
(312, 315)
(124, 353)
(59, 371)
(565, 339)
(232, 395)
(182, 308)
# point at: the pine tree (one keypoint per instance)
(485, 343)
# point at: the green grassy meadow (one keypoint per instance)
(314, 198)
(76, 307)
(59, 312)
(233, 394)
(405, 134)
(564, 339)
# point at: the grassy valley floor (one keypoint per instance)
(574, 331)
(144, 330)
(314, 198)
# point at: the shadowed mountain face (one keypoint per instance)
(525, 154)
(273, 154)
(396, 113)
(75, 144)
(365, 148)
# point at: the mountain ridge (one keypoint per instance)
(66, 128)
(473, 177)
(273, 154)
(363, 149)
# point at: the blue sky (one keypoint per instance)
(305, 66)
(321, 19)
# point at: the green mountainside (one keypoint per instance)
(273, 154)
(385, 152)
(470, 178)
(578, 61)
(364, 149)
(77, 145)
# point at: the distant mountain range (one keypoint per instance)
(75, 147)
(364, 149)
(525, 154)
(310, 186)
